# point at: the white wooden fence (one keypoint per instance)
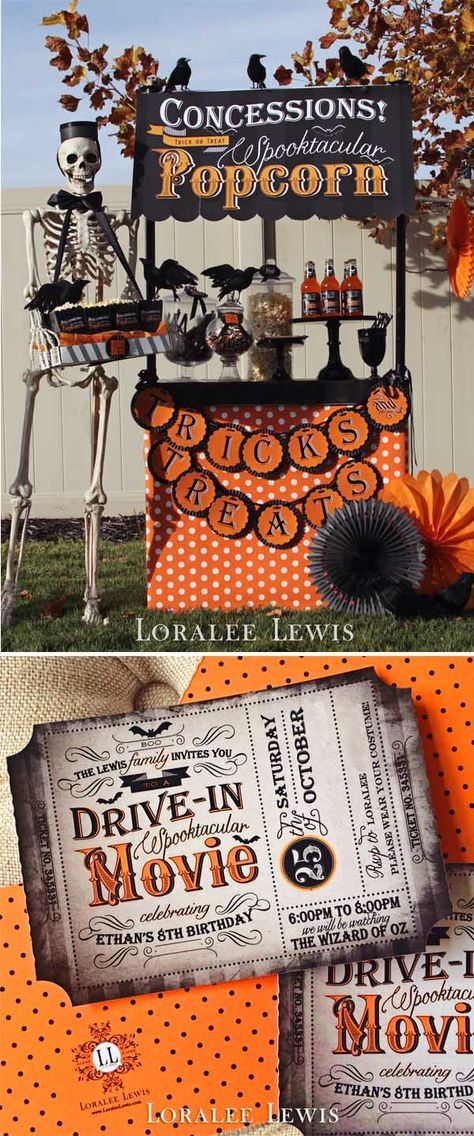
(440, 349)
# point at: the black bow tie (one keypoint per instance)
(65, 200)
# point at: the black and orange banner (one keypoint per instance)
(182, 438)
(320, 151)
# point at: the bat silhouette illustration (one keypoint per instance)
(250, 840)
(104, 801)
(150, 733)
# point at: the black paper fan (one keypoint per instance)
(362, 550)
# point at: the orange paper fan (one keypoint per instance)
(443, 509)
(460, 237)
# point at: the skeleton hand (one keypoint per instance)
(30, 290)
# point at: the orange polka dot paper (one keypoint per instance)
(191, 566)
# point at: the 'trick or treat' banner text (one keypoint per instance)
(324, 151)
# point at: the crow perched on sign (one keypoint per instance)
(180, 75)
(229, 279)
(257, 72)
(351, 65)
(51, 296)
(170, 275)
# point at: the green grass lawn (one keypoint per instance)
(48, 615)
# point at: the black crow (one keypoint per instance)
(50, 296)
(170, 275)
(351, 65)
(180, 75)
(404, 601)
(229, 279)
(257, 72)
(456, 596)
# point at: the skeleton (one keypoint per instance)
(87, 254)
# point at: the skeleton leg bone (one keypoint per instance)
(21, 491)
(95, 497)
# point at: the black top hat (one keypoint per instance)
(78, 130)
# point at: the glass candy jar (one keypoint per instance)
(269, 313)
(187, 321)
(229, 337)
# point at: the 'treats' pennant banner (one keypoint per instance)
(323, 151)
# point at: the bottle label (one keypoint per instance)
(311, 304)
(353, 304)
(330, 302)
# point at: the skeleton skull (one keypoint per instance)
(79, 160)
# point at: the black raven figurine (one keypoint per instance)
(180, 75)
(170, 275)
(456, 596)
(51, 296)
(257, 72)
(229, 279)
(351, 65)
(403, 601)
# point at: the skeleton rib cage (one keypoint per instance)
(87, 253)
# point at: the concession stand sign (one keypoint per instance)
(325, 151)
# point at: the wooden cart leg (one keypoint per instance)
(20, 491)
(95, 497)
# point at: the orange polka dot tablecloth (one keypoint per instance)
(189, 566)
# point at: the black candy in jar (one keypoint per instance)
(229, 337)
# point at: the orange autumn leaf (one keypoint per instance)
(69, 102)
(55, 609)
(460, 248)
(60, 17)
(54, 18)
(443, 509)
(467, 21)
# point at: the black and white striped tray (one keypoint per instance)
(45, 354)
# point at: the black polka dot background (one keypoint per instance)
(206, 1047)
(442, 689)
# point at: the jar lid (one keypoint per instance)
(271, 274)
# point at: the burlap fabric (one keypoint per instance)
(52, 688)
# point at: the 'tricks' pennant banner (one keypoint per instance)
(324, 151)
